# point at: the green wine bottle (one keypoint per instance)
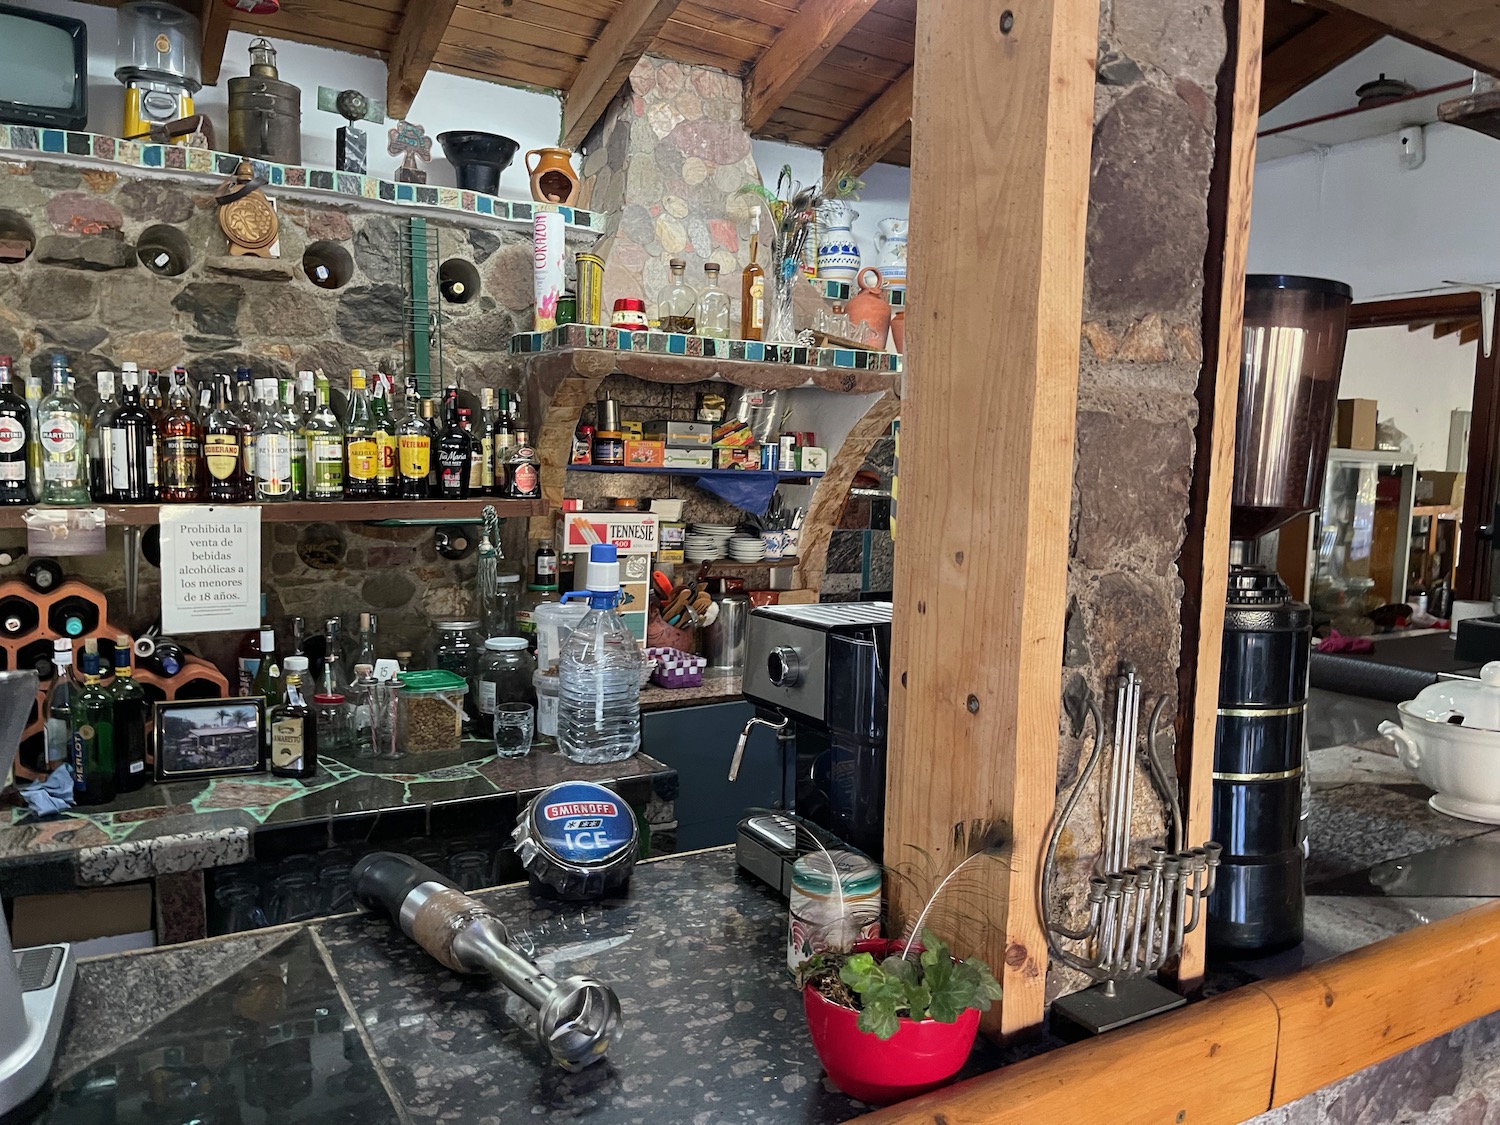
(131, 712)
(93, 735)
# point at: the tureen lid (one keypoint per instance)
(1467, 703)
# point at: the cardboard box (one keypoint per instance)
(80, 915)
(632, 533)
(644, 454)
(633, 431)
(797, 597)
(673, 458)
(682, 435)
(736, 459)
(668, 509)
(733, 435)
(811, 459)
(1354, 423)
(1447, 488)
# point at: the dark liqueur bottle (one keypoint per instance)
(15, 438)
(455, 452)
(223, 447)
(131, 711)
(294, 729)
(132, 444)
(93, 735)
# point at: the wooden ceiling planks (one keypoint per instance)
(1465, 30)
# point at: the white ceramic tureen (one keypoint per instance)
(1450, 738)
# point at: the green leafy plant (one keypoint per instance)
(929, 985)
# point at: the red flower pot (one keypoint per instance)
(922, 1055)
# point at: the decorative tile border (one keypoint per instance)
(27, 140)
(842, 291)
(675, 343)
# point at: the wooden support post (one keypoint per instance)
(630, 31)
(1205, 558)
(1000, 179)
(423, 26)
(817, 28)
(870, 135)
(215, 19)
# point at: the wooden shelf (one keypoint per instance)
(675, 471)
(1441, 511)
(309, 511)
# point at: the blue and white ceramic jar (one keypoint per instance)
(890, 249)
(838, 253)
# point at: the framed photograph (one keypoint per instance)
(208, 737)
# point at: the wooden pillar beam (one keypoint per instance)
(818, 27)
(627, 36)
(214, 19)
(870, 135)
(423, 26)
(1204, 564)
(1004, 110)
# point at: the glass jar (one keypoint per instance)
(821, 918)
(505, 673)
(455, 645)
(332, 715)
(503, 606)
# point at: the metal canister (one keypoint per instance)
(724, 640)
(590, 288)
(265, 119)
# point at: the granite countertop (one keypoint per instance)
(718, 687)
(192, 825)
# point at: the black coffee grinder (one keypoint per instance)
(1294, 335)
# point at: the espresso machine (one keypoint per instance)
(1294, 335)
(819, 676)
(34, 983)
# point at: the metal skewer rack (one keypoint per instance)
(1139, 914)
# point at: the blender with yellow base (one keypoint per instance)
(157, 60)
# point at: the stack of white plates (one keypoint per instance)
(706, 541)
(746, 549)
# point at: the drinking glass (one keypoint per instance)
(513, 729)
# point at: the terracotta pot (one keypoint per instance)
(552, 177)
(868, 311)
(898, 331)
(921, 1056)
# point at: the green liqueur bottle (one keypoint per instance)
(130, 721)
(93, 735)
(325, 449)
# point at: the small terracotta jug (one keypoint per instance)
(552, 177)
(898, 332)
(869, 312)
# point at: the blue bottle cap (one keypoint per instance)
(73, 626)
(578, 840)
(603, 552)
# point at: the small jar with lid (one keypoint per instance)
(332, 713)
(505, 676)
(822, 917)
(609, 447)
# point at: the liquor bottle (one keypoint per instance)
(153, 398)
(523, 475)
(488, 425)
(60, 433)
(247, 408)
(333, 680)
(247, 656)
(222, 437)
(179, 475)
(43, 575)
(306, 404)
(93, 735)
(294, 727)
(131, 712)
(58, 734)
(386, 486)
(712, 310)
(429, 418)
(32, 385)
(504, 440)
(413, 447)
(275, 469)
(544, 565)
(132, 444)
(98, 438)
(455, 451)
(15, 440)
(476, 452)
(268, 679)
(359, 441)
(753, 295)
(325, 449)
(364, 649)
(676, 312)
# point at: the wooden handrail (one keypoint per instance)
(1238, 1054)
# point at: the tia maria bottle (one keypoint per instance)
(15, 437)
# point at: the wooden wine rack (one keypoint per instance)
(198, 679)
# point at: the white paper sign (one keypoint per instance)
(210, 569)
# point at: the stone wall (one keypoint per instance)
(84, 292)
(1153, 149)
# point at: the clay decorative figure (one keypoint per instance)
(869, 313)
(410, 142)
(245, 214)
(352, 145)
(552, 177)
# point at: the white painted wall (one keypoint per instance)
(1418, 381)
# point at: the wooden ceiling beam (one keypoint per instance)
(1467, 32)
(215, 19)
(1333, 38)
(1448, 327)
(870, 135)
(818, 27)
(1469, 335)
(627, 36)
(423, 26)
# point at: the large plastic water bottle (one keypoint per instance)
(599, 711)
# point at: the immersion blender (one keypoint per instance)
(577, 1017)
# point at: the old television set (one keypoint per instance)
(44, 70)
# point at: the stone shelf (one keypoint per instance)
(309, 511)
(31, 143)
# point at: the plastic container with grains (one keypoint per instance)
(430, 711)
